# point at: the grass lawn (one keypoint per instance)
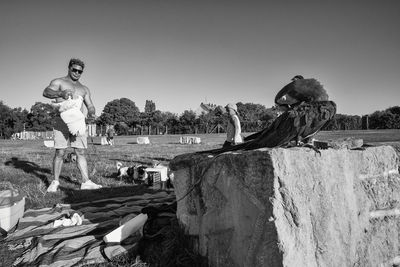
(27, 165)
(369, 136)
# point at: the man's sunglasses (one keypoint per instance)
(77, 71)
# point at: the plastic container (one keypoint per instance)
(12, 207)
(162, 170)
(143, 140)
(48, 143)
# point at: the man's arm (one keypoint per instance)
(54, 91)
(89, 104)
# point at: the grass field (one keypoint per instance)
(369, 136)
(27, 165)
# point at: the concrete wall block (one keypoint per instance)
(291, 207)
(383, 192)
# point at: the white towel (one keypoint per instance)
(71, 114)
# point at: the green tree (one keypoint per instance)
(208, 122)
(12, 120)
(253, 117)
(250, 111)
(5, 121)
(121, 128)
(149, 107)
(41, 117)
(187, 122)
(159, 120)
(394, 110)
(148, 117)
(387, 119)
(395, 117)
(344, 122)
(171, 122)
(120, 110)
(20, 118)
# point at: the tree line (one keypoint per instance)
(129, 120)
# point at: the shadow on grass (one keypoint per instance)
(130, 161)
(70, 180)
(77, 196)
(112, 176)
(159, 158)
(33, 168)
(30, 167)
(125, 179)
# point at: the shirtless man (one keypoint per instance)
(61, 89)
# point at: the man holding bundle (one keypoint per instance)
(67, 90)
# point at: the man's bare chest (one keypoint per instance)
(77, 89)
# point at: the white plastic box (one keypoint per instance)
(12, 207)
(103, 141)
(128, 228)
(189, 140)
(48, 143)
(160, 169)
(143, 140)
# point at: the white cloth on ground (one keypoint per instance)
(74, 220)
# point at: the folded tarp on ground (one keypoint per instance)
(83, 244)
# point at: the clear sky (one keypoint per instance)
(181, 53)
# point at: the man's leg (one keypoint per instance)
(58, 162)
(82, 166)
(60, 144)
(57, 165)
(82, 163)
(79, 143)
